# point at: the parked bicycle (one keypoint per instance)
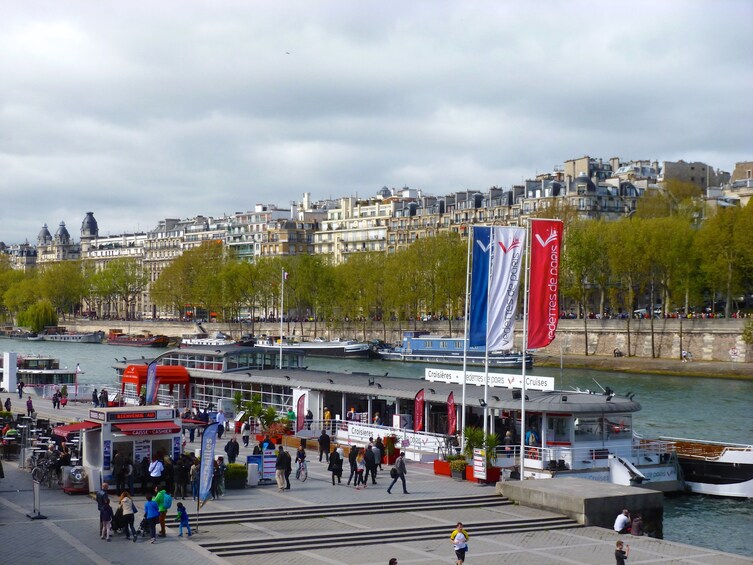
(44, 473)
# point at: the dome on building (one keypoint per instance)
(44, 235)
(62, 235)
(89, 227)
(584, 184)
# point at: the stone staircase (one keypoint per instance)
(402, 526)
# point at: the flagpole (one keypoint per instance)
(526, 297)
(465, 332)
(282, 304)
(492, 241)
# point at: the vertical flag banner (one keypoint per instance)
(299, 413)
(506, 274)
(452, 416)
(479, 286)
(418, 411)
(206, 467)
(151, 383)
(543, 297)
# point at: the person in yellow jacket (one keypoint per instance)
(459, 539)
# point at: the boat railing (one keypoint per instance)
(560, 458)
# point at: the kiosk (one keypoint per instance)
(134, 431)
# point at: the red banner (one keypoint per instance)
(543, 298)
(418, 411)
(300, 413)
(452, 416)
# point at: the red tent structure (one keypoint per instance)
(166, 375)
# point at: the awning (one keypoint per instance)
(72, 428)
(148, 428)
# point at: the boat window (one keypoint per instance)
(618, 425)
(558, 429)
(588, 428)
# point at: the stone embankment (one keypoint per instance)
(715, 346)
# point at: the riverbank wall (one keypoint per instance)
(704, 339)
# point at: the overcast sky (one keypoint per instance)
(139, 111)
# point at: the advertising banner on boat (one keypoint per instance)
(543, 298)
(418, 411)
(206, 467)
(452, 416)
(506, 273)
(495, 379)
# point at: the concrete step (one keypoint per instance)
(229, 548)
(399, 505)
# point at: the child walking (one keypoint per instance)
(183, 518)
(105, 516)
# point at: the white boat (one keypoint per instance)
(62, 335)
(422, 347)
(319, 347)
(202, 340)
(38, 371)
(715, 468)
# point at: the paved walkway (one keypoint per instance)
(69, 534)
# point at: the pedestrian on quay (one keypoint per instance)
(151, 513)
(194, 476)
(379, 444)
(308, 418)
(160, 497)
(245, 433)
(288, 468)
(398, 472)
(95, 398)
(182, 517)
(20, 389)
(128, 508)
(232, 449)
(371, 465)
(29, 407)
(459, 539)
(622, 522)
(7, 404)
(221, 468)
(280, 469)
(324, 444)
(360, 470)
(156, 469)
(335, 466)
(105, 518)
(620, 554)
(352, 462)
(101, 497)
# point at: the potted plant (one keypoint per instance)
(457, 469)
(442, 467)
(235, 476)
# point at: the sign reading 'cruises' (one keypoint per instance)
(495, 379)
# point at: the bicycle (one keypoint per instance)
(43, 473)
(302, 473)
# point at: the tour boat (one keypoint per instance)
(318, 347)
(58, 333)
(715, 468)
(38, 371)
(203, 340)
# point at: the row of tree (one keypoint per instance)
(606, 267)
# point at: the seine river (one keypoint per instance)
(714, 409)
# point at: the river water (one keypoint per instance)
(702, 408)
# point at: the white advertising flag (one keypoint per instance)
(506, 273)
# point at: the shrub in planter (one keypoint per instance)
(235, 476)
(457, 468)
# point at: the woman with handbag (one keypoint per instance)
(129, 509)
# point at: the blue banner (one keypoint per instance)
(151, 383)
(479, 286)
(206, 467)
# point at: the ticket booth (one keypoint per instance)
(134, 431)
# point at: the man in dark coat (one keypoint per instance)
(324, 443)
(232, 448)
(371, 465)
(288, 469)
(352, 460)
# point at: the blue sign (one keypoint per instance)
(479, 286)
(206, 467)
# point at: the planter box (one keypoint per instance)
(458, 475)
(442, 468)
(238, 483)
(493, 474)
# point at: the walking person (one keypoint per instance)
(128, 508)
(459, 539)
(352, 461)
(360, 471)
(324, 444)
(151, 513)
(7, 404)
(335, 466)
(232, 449)
(29, 407)
(163, 504)
(371, 467)
(105, 518)
(20, 388)
(95, 398)
(221, 468)
(193, 474)
(288, 468)
(182, 517)
(101, 497)
(245, 433)
(280, 469)
(398, 472)
(379, 445)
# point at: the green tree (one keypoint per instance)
(64, 285)
(127, 279)
(37, 316)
